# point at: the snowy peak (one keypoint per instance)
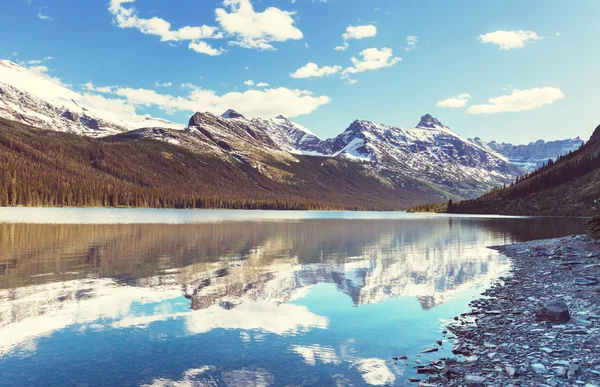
(428, 121)
(196, 119)
(230, 113)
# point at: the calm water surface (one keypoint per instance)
(237, 298)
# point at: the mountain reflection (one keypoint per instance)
(236, 275)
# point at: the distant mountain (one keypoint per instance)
(569, 186)
(533, 155)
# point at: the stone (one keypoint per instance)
(555, 312)
(573, 372)
(429, 350)
(474, 380)
(539, 368)
(585, 281)
(428, 370)
(575, 332)
(560, 371)
(511, 371)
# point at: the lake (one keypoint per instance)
(236, 298)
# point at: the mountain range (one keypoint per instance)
(533, 155)
(429, 162)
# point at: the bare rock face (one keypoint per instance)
(555, 312)
(427, 121)
(596, 134)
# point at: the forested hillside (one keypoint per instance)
(46, 168)
(569, 186)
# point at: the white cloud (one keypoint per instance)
(458, 101)
(249, 83)
(262, 84)
(519, 100)
(253, 103)
(343, 47)
(311, 70)
(372, 59)
(360, 32)
(508, 40)
(128, 18)
(89, 86)
(164, 84)
(205, 48)
(256, 30)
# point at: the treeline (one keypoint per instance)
(431, 207)
(44, 168)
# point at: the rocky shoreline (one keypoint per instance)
(538, 326)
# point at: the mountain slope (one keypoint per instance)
(62, 169)
(569, 186)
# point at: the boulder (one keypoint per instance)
(555, 312)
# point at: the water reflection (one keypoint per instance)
(239, 302)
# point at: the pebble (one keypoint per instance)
(538, 326)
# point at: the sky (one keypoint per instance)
(511, 71)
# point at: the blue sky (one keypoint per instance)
(539, 59)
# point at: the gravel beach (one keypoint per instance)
(538, 326)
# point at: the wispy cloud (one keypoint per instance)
(458, 101)
(411, 43)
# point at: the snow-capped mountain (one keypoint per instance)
(32, 99)
(533, 155)
(430, 152)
